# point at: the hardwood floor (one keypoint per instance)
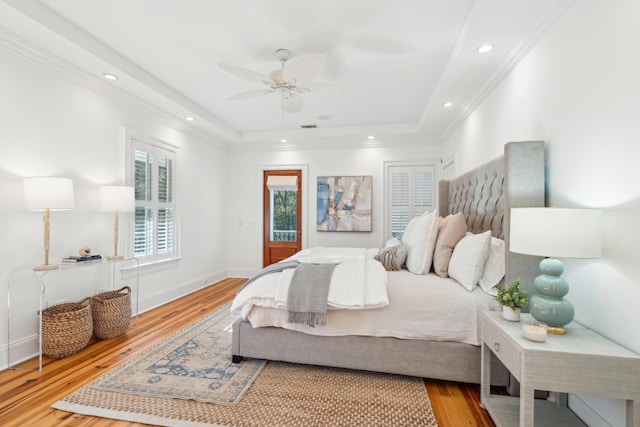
(26, 397)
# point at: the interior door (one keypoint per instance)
(282, 214)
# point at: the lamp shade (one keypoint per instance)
(45, 192)
(556, 232)
(117, 198)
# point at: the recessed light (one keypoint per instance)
(283, 140)
(189, 118)
(485, 48)
(447, 104)
(109, 76)
(370, 137)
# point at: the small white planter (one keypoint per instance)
(509, 313)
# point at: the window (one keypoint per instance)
(409, 193)
(153, 171)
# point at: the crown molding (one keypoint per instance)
(528, 39)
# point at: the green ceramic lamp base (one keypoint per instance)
(549, 306)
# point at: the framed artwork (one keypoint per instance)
(344, 203)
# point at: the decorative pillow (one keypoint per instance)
(468, 259)
(392, 255)
(419, 239)
(494, 268)
(452, 229)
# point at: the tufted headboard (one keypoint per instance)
(486, 194)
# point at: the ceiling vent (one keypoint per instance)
(308, 126)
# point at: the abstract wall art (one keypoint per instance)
(344, 203)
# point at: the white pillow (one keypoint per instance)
(419, 239)
(468, 259)
(494, 268)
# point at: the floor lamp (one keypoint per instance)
(46, 194)
(554, 232)
(116, 199)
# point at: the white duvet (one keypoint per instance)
(358, 282)
(426, 307)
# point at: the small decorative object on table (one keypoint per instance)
(512, 300)
(534, 330)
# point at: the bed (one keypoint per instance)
(484, 196)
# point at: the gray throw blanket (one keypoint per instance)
(308, 294)
(273, 268)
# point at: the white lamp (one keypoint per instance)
(554, 232)
(116, 199)
(43, 193)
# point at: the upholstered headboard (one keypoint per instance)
(486, 194)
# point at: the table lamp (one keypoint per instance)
(43, 193)
(116, 199)
(554, 232)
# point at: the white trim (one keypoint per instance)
(134, 137)
(304, 186)
(585, 412)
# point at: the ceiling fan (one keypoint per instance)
(291, 80)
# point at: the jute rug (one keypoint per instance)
(281, 395)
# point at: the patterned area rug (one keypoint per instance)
(194, 363)
(282, 394)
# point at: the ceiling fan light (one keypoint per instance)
(292, 103)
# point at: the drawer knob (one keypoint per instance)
(496, 346)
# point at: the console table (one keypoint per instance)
(581, 361)
(96, 277)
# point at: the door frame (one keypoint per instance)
(304, 187)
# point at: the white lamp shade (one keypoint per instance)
(45, 192)
(117, 198)
(282, 182)
(555, 232)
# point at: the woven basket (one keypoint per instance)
(111, 313)
(66, 328)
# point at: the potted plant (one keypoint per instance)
(512, 300)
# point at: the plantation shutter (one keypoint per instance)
(165, 229)
(154, 222)
(411, 194)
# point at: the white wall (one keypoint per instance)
(578, 91)
(245, 211)
(50, 125)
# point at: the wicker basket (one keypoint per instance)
(111, 313)
(66, 328)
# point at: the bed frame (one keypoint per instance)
(485, 196)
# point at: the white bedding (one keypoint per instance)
(358, 282)
(425, 307)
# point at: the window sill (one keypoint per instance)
(150, 267)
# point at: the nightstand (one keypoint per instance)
(581, 361)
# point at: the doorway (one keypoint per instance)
(282, 214)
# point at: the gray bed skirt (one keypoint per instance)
(426, 359)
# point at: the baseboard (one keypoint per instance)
(21, 350)
(242, 272)
(586, 413)
(149, 302)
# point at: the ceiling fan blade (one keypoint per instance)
(302, 69)
(250, 94)
(292, 103)
(246, 74)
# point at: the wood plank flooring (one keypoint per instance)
(26, 397)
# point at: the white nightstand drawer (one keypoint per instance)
(501, 346)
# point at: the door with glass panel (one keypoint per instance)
(282, 213)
